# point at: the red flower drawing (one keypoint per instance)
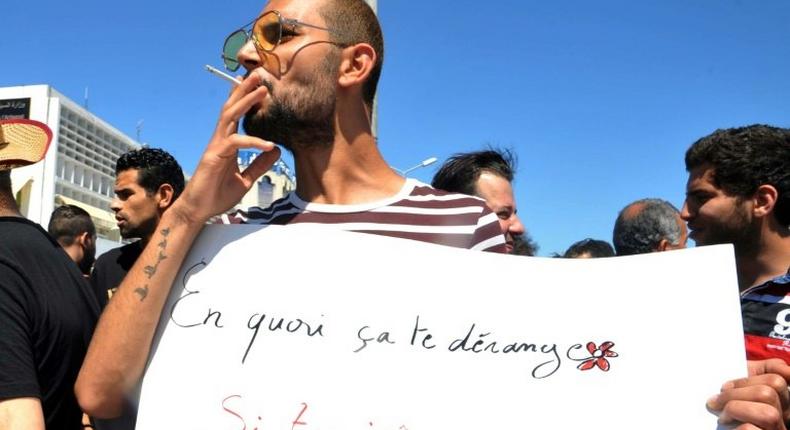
(598, 356)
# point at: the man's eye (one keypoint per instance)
(503, 215)
(699, 199)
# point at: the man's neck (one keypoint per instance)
(771, 259)
(350, 171)
(74, 251)
(4, 212)
(8, 206)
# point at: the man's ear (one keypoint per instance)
(663, 245)
(764, 200)
(356, 63)
(165, 194)
(84, 239)
(89, 238)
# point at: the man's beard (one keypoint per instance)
(300, 119)
(87, 261)
(738, 230)
(142, 230)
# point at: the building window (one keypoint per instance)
(265, 192)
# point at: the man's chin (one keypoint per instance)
(701, 240)
(253, 123)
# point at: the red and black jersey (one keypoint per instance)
(766, 319)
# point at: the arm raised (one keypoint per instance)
(121, 343)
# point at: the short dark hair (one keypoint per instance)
(351, 22)
(596, 249)
(746, 157)
(640, 233)
(459, 174)
(154, 167)
(68, 222)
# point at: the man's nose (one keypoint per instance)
(685, 214)
(516, 227)
(248, 56)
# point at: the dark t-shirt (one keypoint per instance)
(110, 269)
(47, 316)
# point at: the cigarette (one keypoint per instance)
(223, 75)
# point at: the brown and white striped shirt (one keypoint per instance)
(417, 212)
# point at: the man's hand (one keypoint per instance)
(119, 349)
(218, 184)
(759, 401)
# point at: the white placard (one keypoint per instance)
(306, 329)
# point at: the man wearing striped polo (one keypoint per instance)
(310, 87)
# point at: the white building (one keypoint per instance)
(273, 185)
(79, 167)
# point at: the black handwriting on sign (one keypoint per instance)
(210, 314)
(485, 344)
(288, 326)
(426, 338)
(362, 334)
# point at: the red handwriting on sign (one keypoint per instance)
(298, 421)
(234, 413)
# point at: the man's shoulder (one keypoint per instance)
(778, 286)
(18, 232)
(421, 193)
(423, 189)
(24, 244)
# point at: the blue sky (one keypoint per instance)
(598, 99)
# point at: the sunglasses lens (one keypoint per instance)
(230, 51)
(267, 31)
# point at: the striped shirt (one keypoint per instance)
(417, 212)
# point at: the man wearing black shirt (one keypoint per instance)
(147, 181)
(47, 311)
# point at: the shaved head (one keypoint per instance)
(352, 22)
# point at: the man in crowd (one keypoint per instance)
(73, 228)
(489, 175)
(310, 87)
(589, 248)
(648, 225)
(311, 91)
(147, 182)
(47, 312)
(738, 192)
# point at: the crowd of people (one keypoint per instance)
(70, 345)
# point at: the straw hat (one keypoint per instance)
(22, 142)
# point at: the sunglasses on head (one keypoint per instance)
(266, 33)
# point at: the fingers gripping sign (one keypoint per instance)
(218, 184)
(757, 402)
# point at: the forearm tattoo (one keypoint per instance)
(151, 270)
